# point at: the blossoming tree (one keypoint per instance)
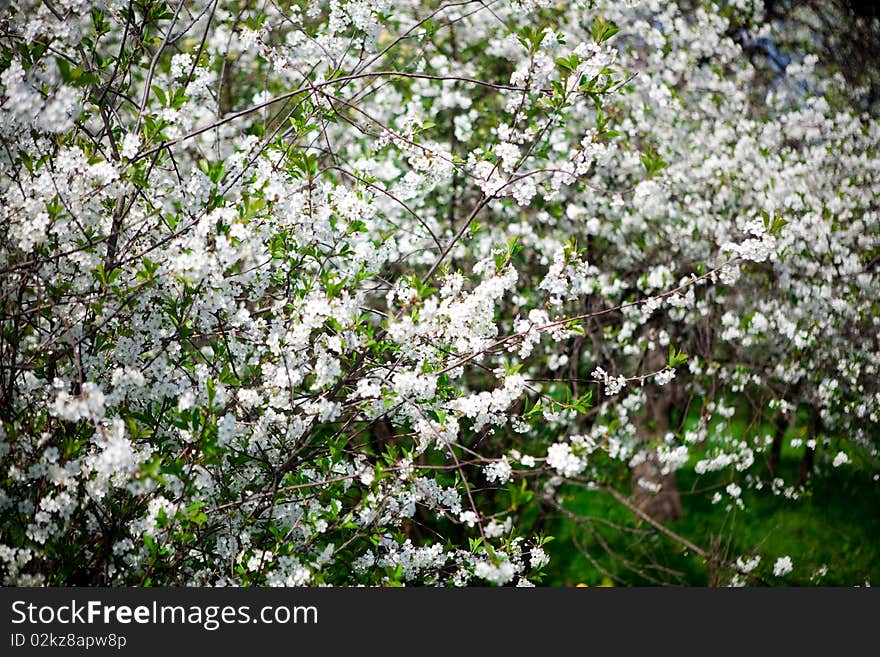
(348, 292)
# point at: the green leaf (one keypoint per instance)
(675, 358)
(653, 163)
(603, 29)
(163, 98)
(531, 38)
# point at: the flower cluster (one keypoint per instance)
(340, 292)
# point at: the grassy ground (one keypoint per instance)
(836, 524)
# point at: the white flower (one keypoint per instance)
(509, 154)
(366, 476)
(500, 574)
(650, 486)
(499, 471)
(664, 376)
(524, 191)
(88, 404)
(181, 63)
(495, 529)
(748, 565)
(560, 457)
(185, 401)
(783, 566)
(840, 459)
(131, 143)
(538, 558)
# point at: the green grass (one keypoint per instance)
(835, 524)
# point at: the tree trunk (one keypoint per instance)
(776, 447)
(806, 466)
(652, 425)
(809, 455)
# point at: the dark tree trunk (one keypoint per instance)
(776, 447)
(810, 455)
(806, 466)
(652, 426)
